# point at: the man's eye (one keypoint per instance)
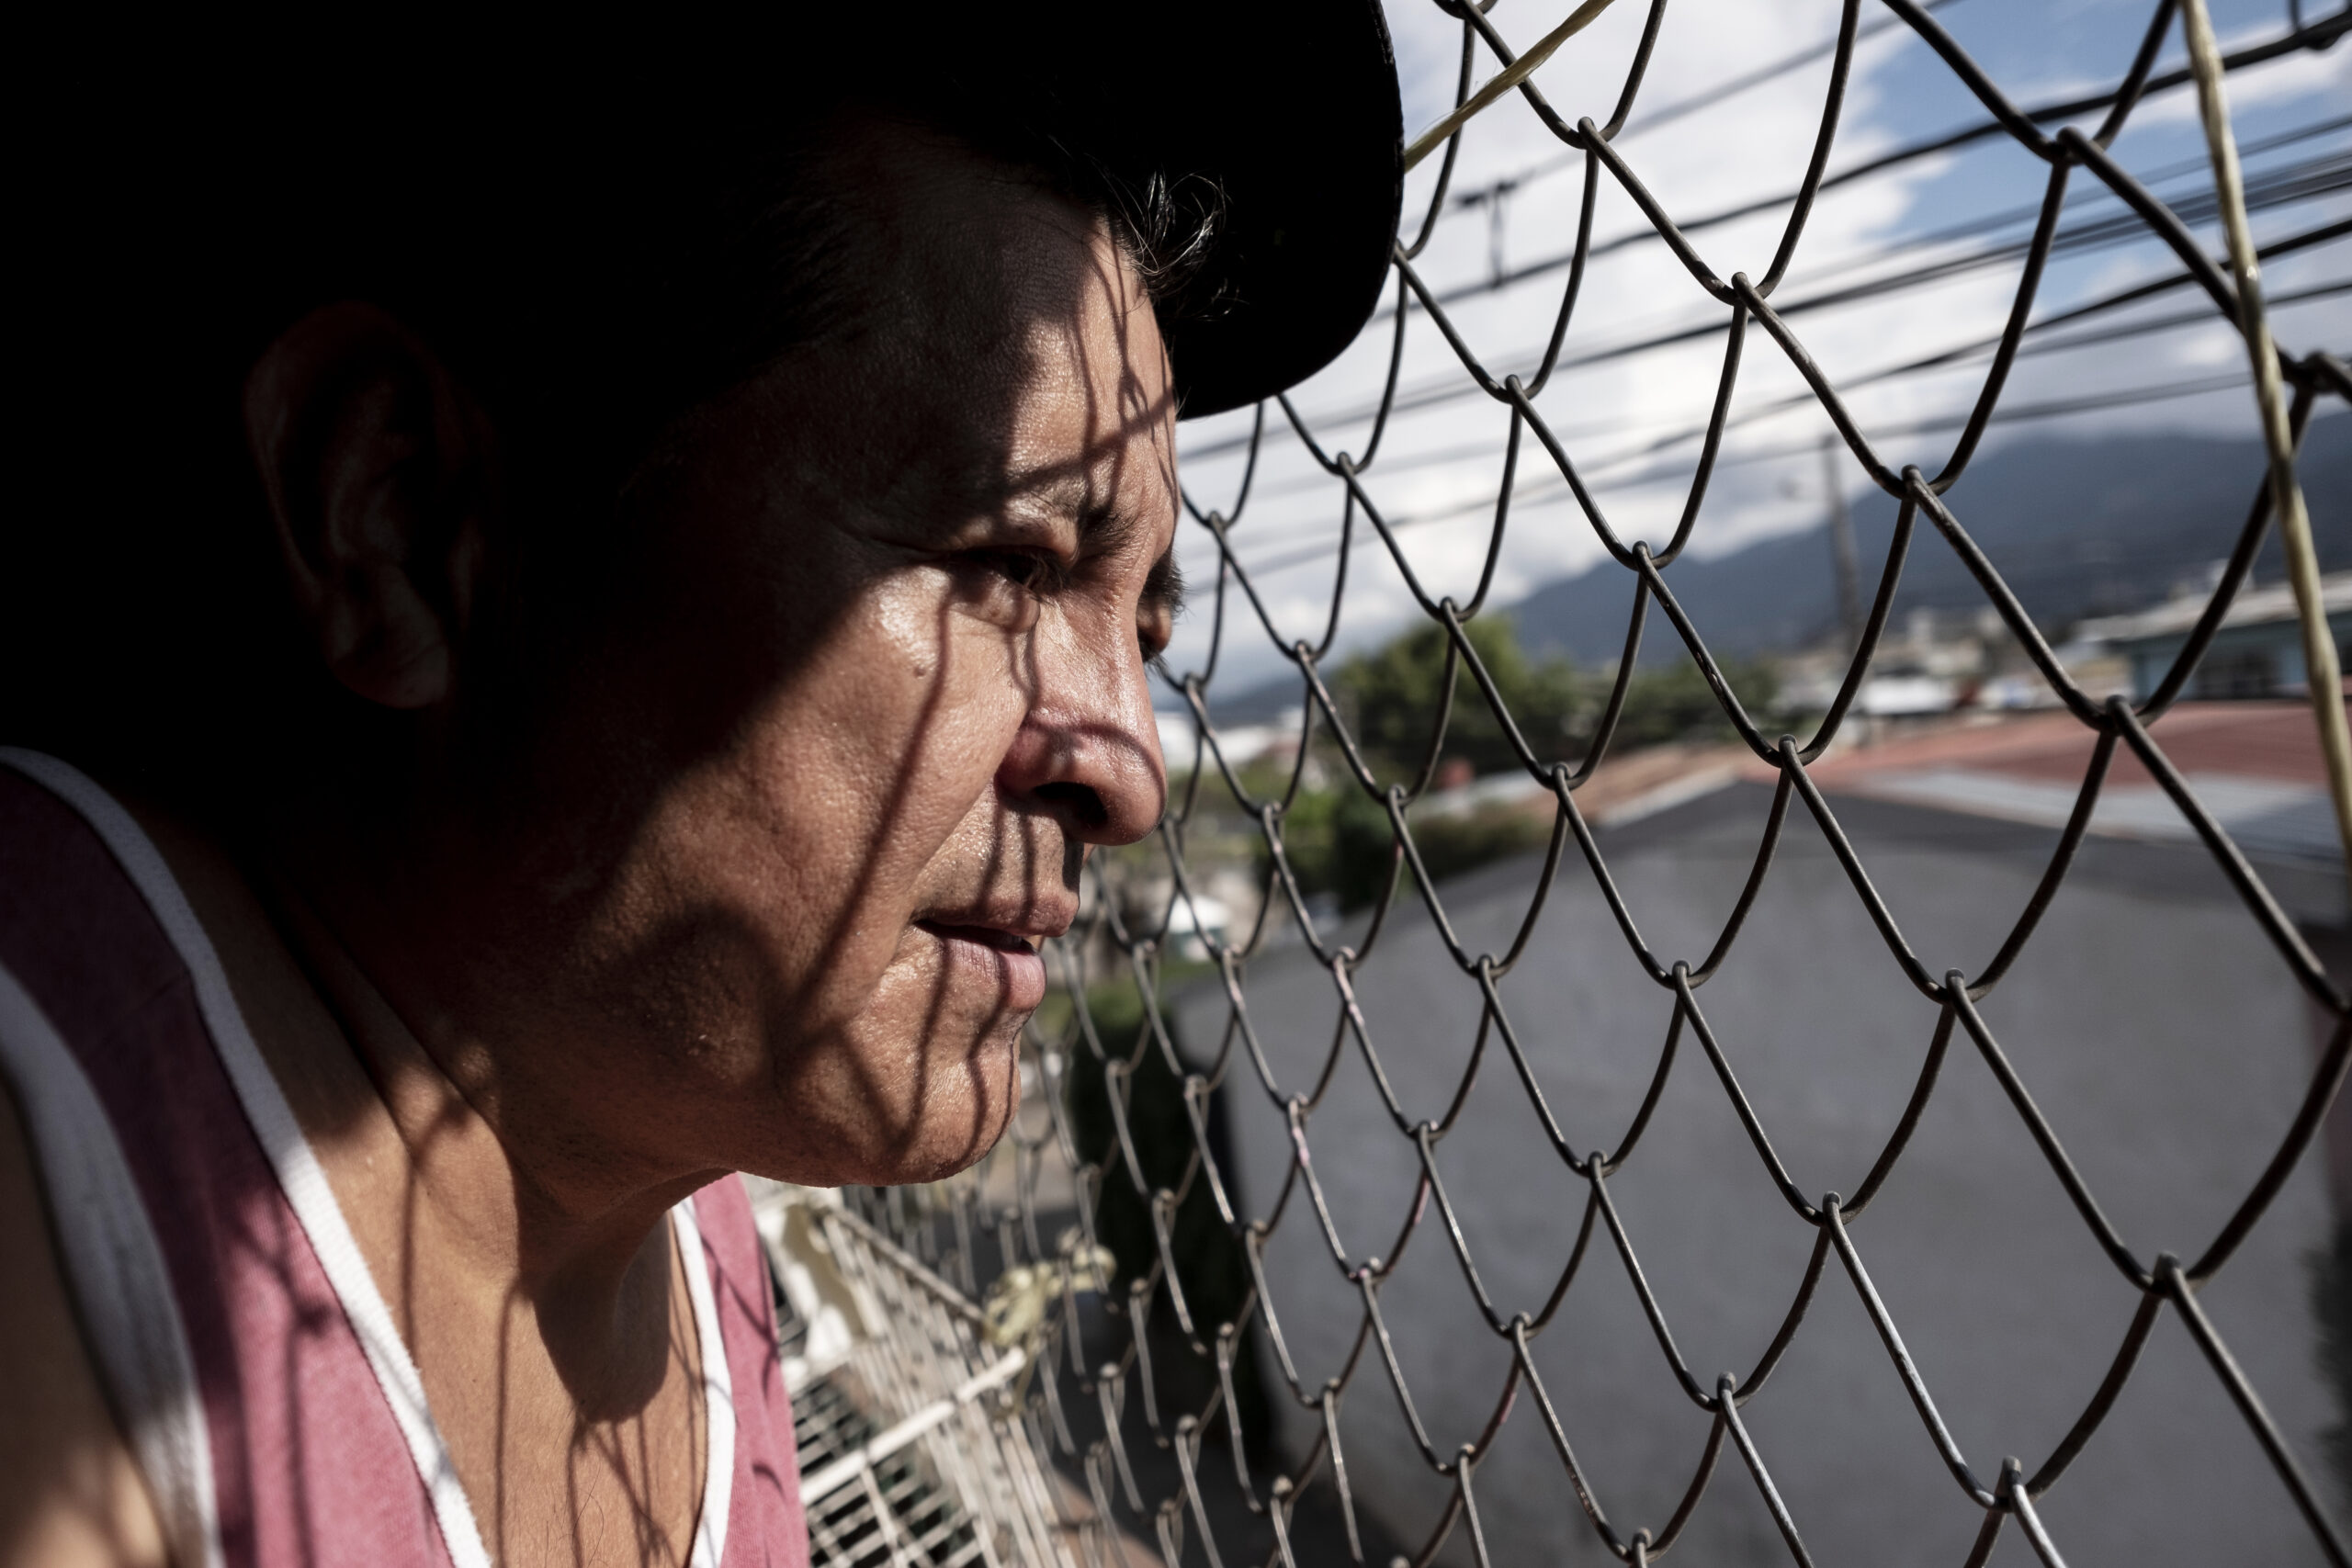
(1025, 570)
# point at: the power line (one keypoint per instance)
(1709, 97)
(1442, 389)
(2034, 344)
(1552, 489)
(2314, 36)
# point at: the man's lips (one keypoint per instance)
(987, 936)
(1006, 961)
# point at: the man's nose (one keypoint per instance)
(1087, 750)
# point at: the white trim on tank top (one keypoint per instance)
(114, 1267)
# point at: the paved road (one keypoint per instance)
(2156, 1029)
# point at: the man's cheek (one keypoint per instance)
(930, 695)
(917, 1024)
(963, 747)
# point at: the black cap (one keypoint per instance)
(1288, 108)
(495, 171)
(1293, 109)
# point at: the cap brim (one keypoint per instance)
(1294, 109)
(1290, 108)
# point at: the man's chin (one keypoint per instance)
(952, 1139)
(962, 1113)
(933, 1155)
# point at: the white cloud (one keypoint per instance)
(1446, 458)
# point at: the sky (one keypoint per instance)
(1700, 149)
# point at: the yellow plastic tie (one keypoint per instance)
(1518, 71)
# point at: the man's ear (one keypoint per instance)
(378, 467)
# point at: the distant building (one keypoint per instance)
(1241, 744)
(2258, 652)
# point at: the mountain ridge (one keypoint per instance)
(2078, 526)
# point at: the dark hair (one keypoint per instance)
(593, 246)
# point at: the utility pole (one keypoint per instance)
(1841, 547)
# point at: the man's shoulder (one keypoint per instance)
(75, 930)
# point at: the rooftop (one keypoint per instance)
(2252, 607)
(2255, 765)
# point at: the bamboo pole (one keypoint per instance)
(2323, 674)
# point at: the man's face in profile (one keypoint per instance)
(815, 799)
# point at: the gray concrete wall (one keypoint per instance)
(2159, 1032)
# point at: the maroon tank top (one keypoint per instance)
(242, 1344)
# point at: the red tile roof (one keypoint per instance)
(2272, 740)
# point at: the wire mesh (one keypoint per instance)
(1143, 1435)
(914, 1449)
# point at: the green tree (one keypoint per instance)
(1390, 699)
(1673, 702)
(1339, 839)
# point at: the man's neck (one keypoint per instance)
(591, 1261)
(435, 1175)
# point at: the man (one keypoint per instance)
(580, 618)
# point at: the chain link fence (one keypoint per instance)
(1088, 1322)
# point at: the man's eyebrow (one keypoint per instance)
(1103, 524)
